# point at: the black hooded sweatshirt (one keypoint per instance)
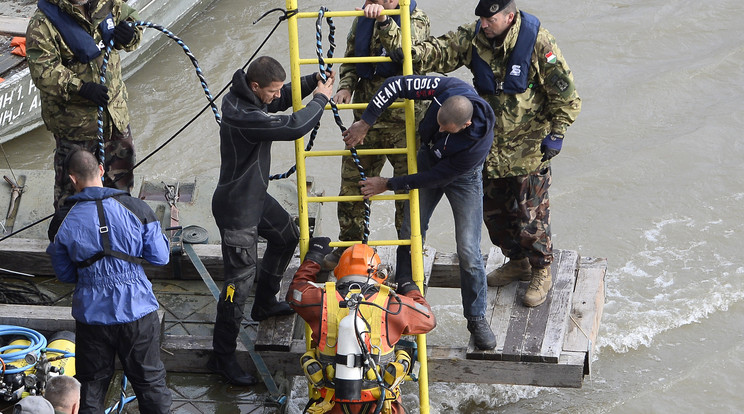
(248, 128)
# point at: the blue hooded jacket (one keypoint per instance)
(110, 291)
(450, 155)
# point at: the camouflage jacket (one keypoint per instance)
(550, 104)
(59, 76)
(364, 89)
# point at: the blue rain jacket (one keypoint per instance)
(110, 291)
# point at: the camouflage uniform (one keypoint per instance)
(58, 76)
(550, 104)
(388, 132)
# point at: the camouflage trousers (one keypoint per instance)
(516, 211)
(119, 159)
(351, 215)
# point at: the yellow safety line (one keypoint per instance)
(416, 240)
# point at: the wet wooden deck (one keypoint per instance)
(551, 345)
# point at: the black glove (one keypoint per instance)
(123, 33)
(397, 55)
(405, 287)
(551, 146)
(95, 92)
(318, 249)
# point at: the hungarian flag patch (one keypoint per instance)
(550, 57)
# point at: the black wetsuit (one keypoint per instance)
(242, 208)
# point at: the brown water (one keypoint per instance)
(649, 177)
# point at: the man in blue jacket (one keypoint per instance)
(99, 240)
(456, 135)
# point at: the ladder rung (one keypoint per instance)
(405, 242)
(400, 104)
(323, 199)
(378, 151)
(346, 13)
(355, 59)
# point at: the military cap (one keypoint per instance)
(487, 8)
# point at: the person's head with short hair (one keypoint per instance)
(64, 393)
(455, 114)
(265, 76)
(33, 404)
(84, 169)
(496, 16)
(386, 4)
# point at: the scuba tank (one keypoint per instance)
(349, 365)
(63, 341)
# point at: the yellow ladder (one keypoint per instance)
(415, 241)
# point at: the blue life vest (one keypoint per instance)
(75, 36)
(364, 30)
(518, 69)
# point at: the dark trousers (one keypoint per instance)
(137, 345)
(118, 161)
(240, 259)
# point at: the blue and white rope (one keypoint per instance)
(104, 66)
(191, 56)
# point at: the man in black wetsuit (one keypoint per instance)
(242, 208)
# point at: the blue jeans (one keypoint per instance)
(465, 195)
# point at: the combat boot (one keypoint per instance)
(331, 259)
(482, 334)
(228, 367)
(266, 305)
(540, 284)
(514, 269)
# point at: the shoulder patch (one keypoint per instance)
(550, 57)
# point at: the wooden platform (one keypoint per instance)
(551, 345)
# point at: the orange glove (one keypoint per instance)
(20, 46)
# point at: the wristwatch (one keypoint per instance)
(383, 23)
(554, 136)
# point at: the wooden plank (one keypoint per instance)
(13, 26)
(498, 311)
(564, 278)
(520, 314)
(534, 332)
(450, 365)
(587, 307)
(276, 334)
(189, 354)
(39, 318)
(46, 319)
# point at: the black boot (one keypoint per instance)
(266, 305)
(482, 335)
(228, 367)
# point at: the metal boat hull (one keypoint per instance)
(20, 107)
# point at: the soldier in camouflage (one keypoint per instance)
(65, 41)
(362, 80)
(521, 72)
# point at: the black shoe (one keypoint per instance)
(263, 311)
(482, 335)
(229, 368)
